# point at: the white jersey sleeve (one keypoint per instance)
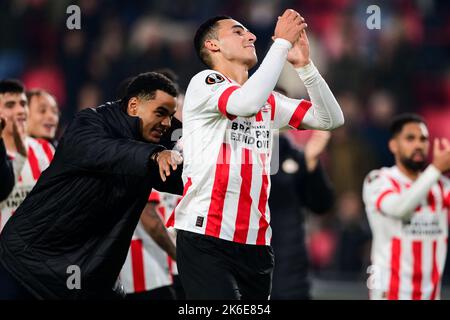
(325, 114)
(287, 111)
(209, 92)
(376, 187)
(321, 113)
(231, 99)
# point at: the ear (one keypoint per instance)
(393, 147)
(132, 106)
(212, 45)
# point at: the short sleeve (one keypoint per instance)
(377, 186)
(208, 92)
(287, 111)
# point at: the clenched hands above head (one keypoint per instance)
(298, 56)
(292, 27)
(289, 26)
(166, 160)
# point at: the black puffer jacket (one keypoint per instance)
(84, 208)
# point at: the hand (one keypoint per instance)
(298, 56)
(314, 148)
(166, 160)
(441, 154)
(289, 26)
(19, 136)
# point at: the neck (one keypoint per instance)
(236, 72)
(9, 143)
(413, 175)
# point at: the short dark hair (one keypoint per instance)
(399, 121)
(145, 85)
(207, 30)
(169, 73)
(11, 86)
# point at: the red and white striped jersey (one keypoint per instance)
(408, 257)
(226, 167)
(147, 266)
(40, 154)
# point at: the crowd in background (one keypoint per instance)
(374, 74)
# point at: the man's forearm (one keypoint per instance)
(325, 114)
(402, 204)
(163, 239)
(154, 226)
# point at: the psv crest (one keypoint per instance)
(214, 78)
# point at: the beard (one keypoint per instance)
(412, 165)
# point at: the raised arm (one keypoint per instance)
(247, 100)
(325, 112)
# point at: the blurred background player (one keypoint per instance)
(6, 169)
(407, 206)
(43, 115)
(301, 179)
(147, 271)
(29, 156)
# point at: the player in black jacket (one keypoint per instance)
(70, 237)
